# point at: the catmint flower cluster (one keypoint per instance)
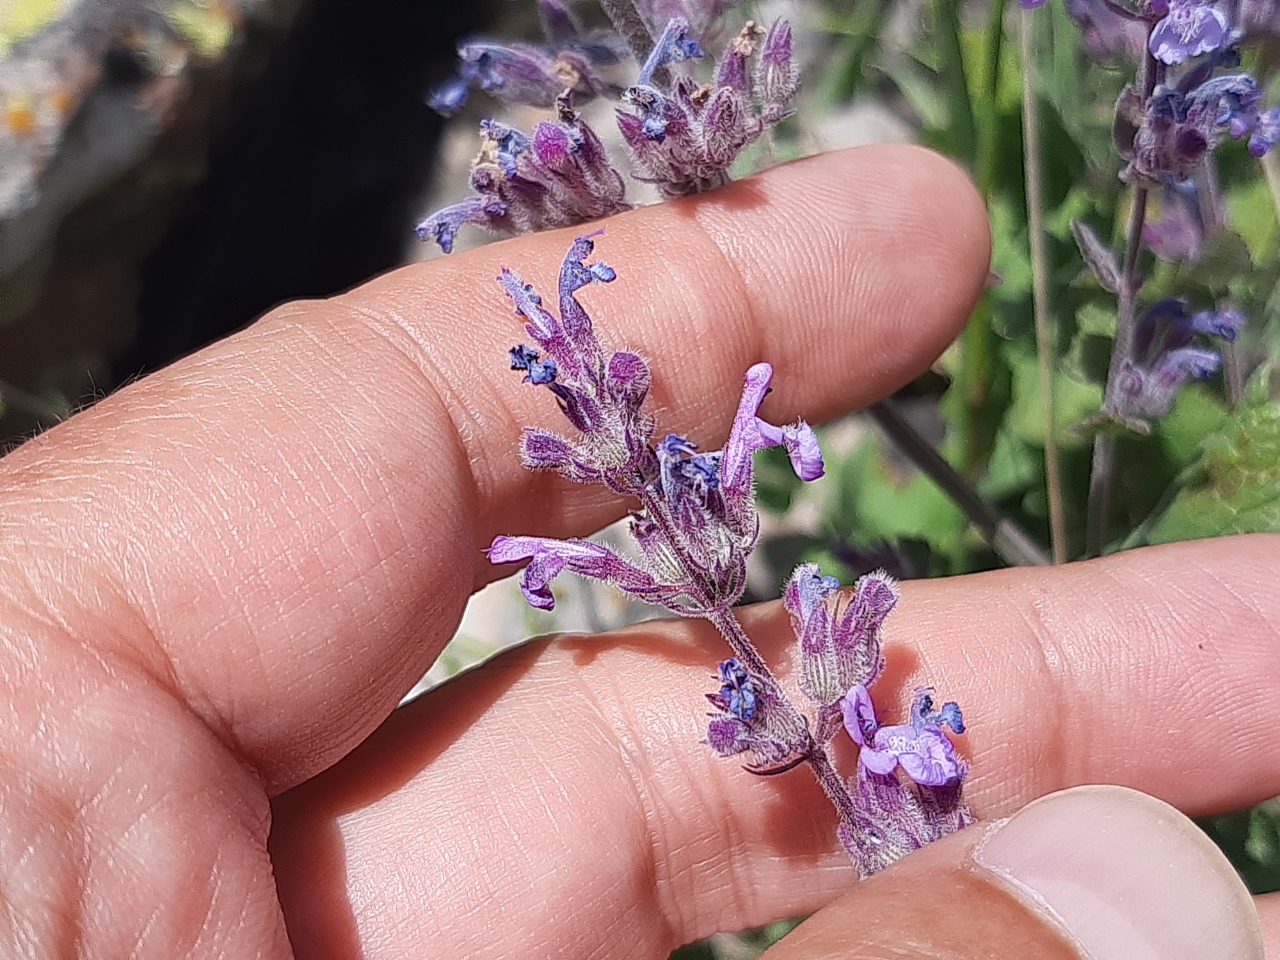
(1187, 99)
(558, 177)
(1165, 132)
(569, 60)
(686, 138)
(683, 135)
(694, 525)
(1166, 356)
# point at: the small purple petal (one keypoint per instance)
(1224, 324)
(673, 46)
(1191, 28)
(882, 762)
(1265, 132)
(806, 589)
(548, 557)
(859, 714)
(803, 449)
(926, 755)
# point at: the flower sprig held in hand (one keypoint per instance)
(694, 525)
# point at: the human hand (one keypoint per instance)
(220, 581)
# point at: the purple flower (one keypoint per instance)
(753, 717)
(684, 138)
(1189, 29)
(1181, 125)
(547, 558)
(1176, 232)
(839, 636)
(560, 176)
(602, 397)
(538, 372)
(920, 748)
(736, 689)
(1265, 133)
(1165, 358)
(696, 523)
(570, 63)
(1150, 391)
(673, 46)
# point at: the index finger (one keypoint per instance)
(285, 526)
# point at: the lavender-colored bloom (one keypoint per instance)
(547, 558)
(923, 712)
(449, 97)
(1265, 133)
(894, 819)
(538, 372)
(1175, 231)
(737, 689)
(697, 521)
(1165, 356)
(839, 636)
(684, 139)
(920, 748)
(560, 176)
(1179, 126)
(1149, 392)
(673, 46)
(601, 396)
(1223, 324)
(1189, 29)
(752, 717)
(570, 63)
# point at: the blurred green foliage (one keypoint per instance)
(1204, 470)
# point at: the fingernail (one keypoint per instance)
(1126, 875)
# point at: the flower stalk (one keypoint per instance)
(694, 525)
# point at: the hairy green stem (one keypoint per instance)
(1040, 286)
(1010, 542)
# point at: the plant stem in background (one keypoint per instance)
(976, 121)
(1040, 286)
(1103, 476)
(1010, 542)
(1212, 219)
(630, 25)
(857, 42)
(1271, 170)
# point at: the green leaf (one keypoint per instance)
(1252, 212)
(1015, 465)
(1073, 400)
(1235, 486)
(1226, 256)
(1198, 412)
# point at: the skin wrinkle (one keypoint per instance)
(392, 643)
(452, 392)
(613, 730)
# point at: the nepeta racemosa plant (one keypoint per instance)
(683, 135)
(694, 524)
(1188, 98)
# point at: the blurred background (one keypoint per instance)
(172, 169)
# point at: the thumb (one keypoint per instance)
(1091, 873)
